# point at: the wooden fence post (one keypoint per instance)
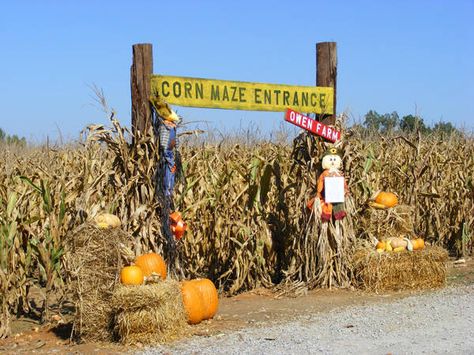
(326, 73)
(140, 74)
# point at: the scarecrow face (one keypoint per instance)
(332, 162)
(173, 117)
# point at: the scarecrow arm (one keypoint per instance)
(320, 185)
(164, 135)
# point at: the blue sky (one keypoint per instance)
(405, 56)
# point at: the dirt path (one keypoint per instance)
(259, 309)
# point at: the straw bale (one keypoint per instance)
(149, 314)
(392, 222)
(422, 269)
(93, 265)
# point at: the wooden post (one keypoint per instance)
(326, 73)
(140, 74)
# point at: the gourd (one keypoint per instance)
(175, 217)
(398, 242)
(209, 296)
(178, 226)
(193, 302)
(387, 199)
(151, 263)
(107, 220)
(131, 275)
(376, 205)
(418, 244)
(178, 229)
(380, 245)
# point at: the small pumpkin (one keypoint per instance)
(380, 245)
(107, 220)
(151, 263)
(209, 296)
(398, 242)
(387, 199)
(418, 244)
(193, 302)
(131, 275)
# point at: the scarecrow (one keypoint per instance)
(169, 167)
(331, 187)
(165, 125)
(327, 241)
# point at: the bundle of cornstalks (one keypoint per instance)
(320, 255)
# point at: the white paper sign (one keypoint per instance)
(334, 189)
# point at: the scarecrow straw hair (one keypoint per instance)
(151, 313)
(394, 271)
(93, 265)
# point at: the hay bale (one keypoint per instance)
(92, 264)
(422, 269)
(392, 222)
(149, 314)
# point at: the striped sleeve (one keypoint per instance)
(164, 136)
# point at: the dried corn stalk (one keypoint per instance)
(244, 201)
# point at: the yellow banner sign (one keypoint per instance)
(238, 95)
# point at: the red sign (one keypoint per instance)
(311, 125)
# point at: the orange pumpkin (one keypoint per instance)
(418, 244)
(380, 245)
(209, 296)
(193, 303)
(387, 199)
(131, 275)
(150, 263)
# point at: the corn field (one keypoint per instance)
(245, 205)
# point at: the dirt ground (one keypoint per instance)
(234, 313)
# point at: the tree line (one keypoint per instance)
(12, 139)
(389, 122)
(373, 121)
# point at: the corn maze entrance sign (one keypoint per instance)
(232, 95)
(238, 95)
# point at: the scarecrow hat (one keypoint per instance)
(333, 151)
(164, 110)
